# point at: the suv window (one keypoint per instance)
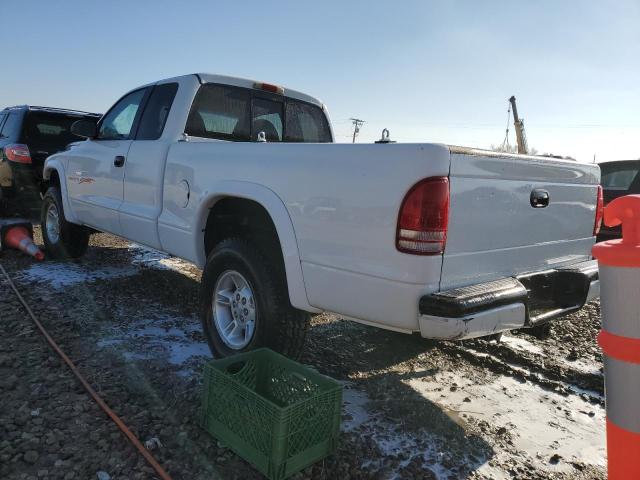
(267, 118)
(48, 129)
(220, 112)
(2, 118)
(306, 123)
(118, 122)
(618, 177)
(11, 127)
(156, 112)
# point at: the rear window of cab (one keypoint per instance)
(238, 114)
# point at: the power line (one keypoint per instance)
(486, 126)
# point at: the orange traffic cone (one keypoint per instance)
(18, 237)
(619, 273)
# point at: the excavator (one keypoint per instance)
(518, 124)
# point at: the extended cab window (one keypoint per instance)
(240, 114)
(220, 112)
(306, 123)
(156, 111)
(118, 122)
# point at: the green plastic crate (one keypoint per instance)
(278, 415)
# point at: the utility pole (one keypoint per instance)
(357, 123)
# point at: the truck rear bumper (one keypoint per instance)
(509, 303)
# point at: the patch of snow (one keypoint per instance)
(493, 473)
(151, 258)
(525, 371)
(355, 406)
(390, 439)
(517, 343)
(584, 366)
(425, 446)
(581, 365)
(160, 337)
(541, 423)
(60, 275)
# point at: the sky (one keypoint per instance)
(429, 71)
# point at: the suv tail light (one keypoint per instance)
(424, 217)
(18, 153)
(599, 212)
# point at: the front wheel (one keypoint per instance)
(62, 239)
(245, 305)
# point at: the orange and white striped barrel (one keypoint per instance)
(619, 265)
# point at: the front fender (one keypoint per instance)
(55, 164)
(276, 209)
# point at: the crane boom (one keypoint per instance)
(518, 124)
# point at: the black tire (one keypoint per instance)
(278, 325)
(73, 239)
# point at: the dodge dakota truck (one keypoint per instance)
(243, 179)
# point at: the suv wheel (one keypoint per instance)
(245, 305)
(62, 239)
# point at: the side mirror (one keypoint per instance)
(85, 128)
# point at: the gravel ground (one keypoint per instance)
(522, 408)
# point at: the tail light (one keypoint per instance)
(18, 153)
(424, 217)
(599, 211)
(268, 87)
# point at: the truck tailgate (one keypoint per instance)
(494, 229)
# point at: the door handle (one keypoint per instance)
(118, 161)
(539, 198)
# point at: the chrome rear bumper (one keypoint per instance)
(509, 303)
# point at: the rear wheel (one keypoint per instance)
(245, 304)
(62, 239)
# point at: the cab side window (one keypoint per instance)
(156, 112)
(220, 112)
(118, 122)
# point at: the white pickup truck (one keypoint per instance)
(243, 179)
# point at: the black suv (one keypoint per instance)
(621, 177)
(28, 135)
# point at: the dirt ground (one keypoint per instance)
(523, 408)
